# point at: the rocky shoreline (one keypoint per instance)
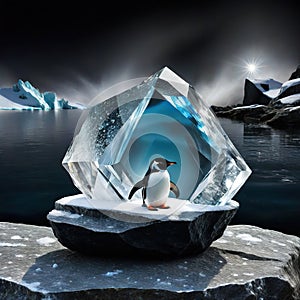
(285, 117)
(267, 102)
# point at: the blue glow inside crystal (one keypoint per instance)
(161, 117)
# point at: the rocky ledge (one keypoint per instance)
(100, 228)
(245, 263)
(277, 117)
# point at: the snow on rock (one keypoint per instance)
(292, 99)
(23, 96)
(4, 244)
(112, 273)
(46, 241)
(289, 84)
(65, 214)
(16, 237)
(116, 226)
(248, 237)
(268, 86)
(260, 91)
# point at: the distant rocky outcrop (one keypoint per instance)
(267, 101)
(247, 262)
(260, 91)
(295, 74)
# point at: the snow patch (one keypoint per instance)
(16, 237)
(248, 237)
(290, 99)
(228, 233)
(134, 208)
(289, 83)
(222, 241)
(165, 283)
(278, 243)
(4, 244)
(292, 108)
(45, 241)
(65, 214)
(112, 273)
(249, 106)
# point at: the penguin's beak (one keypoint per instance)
(170, 163)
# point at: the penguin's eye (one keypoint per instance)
(161, 165)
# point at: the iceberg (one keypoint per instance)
(23, 96)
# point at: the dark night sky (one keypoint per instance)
(83, 50)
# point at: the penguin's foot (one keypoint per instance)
(164, 206)
(144, 205)
(151, 208)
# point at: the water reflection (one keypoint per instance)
(32, 146)
(270, 197)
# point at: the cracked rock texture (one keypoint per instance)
(245, 263)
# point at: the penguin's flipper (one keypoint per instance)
(144, 195)
(174, 189)
(136, 187)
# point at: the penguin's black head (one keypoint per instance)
(160, 164)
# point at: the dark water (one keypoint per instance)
(271, 196)
(33, 145)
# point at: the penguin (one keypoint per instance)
(156, 185)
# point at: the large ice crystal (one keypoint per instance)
(163, 116)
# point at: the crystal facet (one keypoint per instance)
(163, 116)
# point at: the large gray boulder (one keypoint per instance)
(245, 263)
(130, 229)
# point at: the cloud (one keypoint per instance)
(224, 89)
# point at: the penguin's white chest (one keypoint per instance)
(158, 188)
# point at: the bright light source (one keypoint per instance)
(251, 68)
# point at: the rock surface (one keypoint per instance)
(245, 263)
(132, 229)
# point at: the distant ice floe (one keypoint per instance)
(23, 96)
